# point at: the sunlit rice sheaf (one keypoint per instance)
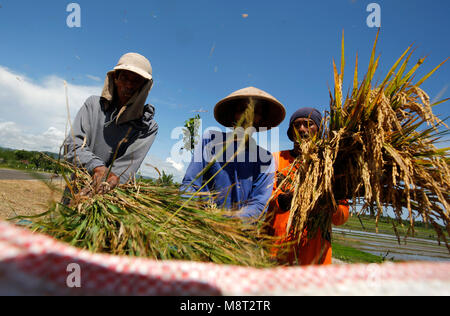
(138, 219)
(379, 145)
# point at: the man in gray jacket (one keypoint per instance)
(117, 129)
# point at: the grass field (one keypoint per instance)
(344, 245)
(385, 226)
(351, 255)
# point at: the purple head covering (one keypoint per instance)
(310, 113)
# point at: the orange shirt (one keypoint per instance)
(307, 251)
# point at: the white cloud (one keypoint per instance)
(95, 78)
(12, 136)
(178, 166)
(169, 166)
(34, 114)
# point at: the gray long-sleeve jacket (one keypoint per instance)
(95, 136)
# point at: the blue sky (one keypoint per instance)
(201, 51)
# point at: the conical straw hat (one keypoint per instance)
(273, 111)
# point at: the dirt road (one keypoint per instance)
(22, 194)
(10, 174)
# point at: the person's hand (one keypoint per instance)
(102, 185)
(285, 201)
(110, 184)
(280, 177)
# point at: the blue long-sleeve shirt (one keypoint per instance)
(245, 183)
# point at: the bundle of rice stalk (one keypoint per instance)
(151, 221)
(378, 144)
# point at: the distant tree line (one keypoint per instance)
(165, 180)
(33, 160)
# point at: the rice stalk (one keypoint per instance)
(378, 144)
(137, 219)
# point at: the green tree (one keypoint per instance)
(190, 133)
(36, 160)
(165, 179)
(22, 155)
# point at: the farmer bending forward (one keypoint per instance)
(97, 140)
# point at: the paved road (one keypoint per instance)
(415, 249)
(9, 174)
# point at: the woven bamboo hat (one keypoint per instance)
(273, 112)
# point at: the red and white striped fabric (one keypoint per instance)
(34, 264)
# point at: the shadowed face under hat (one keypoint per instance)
(269, 111)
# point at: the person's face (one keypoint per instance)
(240, 109)
(258, 115)
(127, 84)
(305, 127)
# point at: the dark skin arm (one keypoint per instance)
(285, 198)
(99, 180)
(101, 185)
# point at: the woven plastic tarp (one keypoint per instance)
(34, 264)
